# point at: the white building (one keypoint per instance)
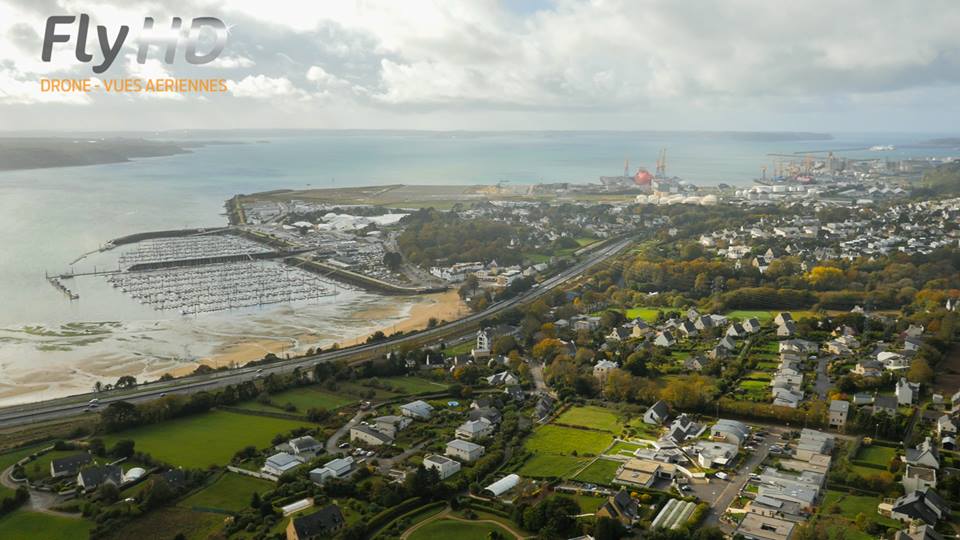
(464, 450)
(280, 463)
(445, 466)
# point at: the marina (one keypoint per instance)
(219, 287)
(191, 247)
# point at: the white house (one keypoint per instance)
(337, 468)
(475, 429)
(305, 446)
(417, 409)
(504, 377)
(907, 392)
(464, 450)
(369, 436)
(445, 466)
(657, 413)
(603, 368)
(280, 463)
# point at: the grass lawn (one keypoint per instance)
(646, 314)
(851, 505)
(415, 385)
(551, 465)
(24, 525)
(591, 417)
(168, 522)
(588, 503)
(551, 439)
(878, 455)
(303, 398)
(768, 366)
(9, 458)
(445, 528)
(204, 439)
(230, 492)
(39, 468)
(600, 471)
(744, 314)
(622, 447)
(462, 348)
(866, 472)
(758, 376)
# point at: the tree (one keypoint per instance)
(920, 371)
(504, 344)
(122, 449)
(392, 260)
(109, 493)
(607, 529)
(126, 381)
(119, 415)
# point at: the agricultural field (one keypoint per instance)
(624, 447)
(414, 385)
(559, 440)
(442, 529)
(600, 471)
(755, 390)
(744, 314)
(303, 398)
(169, 522)
(205, 439)
(24, 525)
(591, 417)
(551, 466)
(649, 315)
(230, 492)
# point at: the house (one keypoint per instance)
(703, 323)
(621, 507)
(280, 463)
(417, 409)
(918, 532)
(305, 446)
(484, 342)
(946, 427)
(862, 398)
(785, 397)
(907, 392)
(94, 477)
(490, 414)
(927, 506)
(918, 478)
(683, 428)
(665, 339)
(782, 318)
(727, 344)
(473, 430)
(642, 473)
(444, 466)
(887, 404)
(70, 465)
(755, 526)
(839, 410)
(657, 414)
(687, 329)
(752, 325)
(464, 450)
(912, 344)
(732, 431)
(913, 331)
(787, 329)
(544, 406)
(390, 425)
(924, 455)
(715, 454)
(603, 368)
(501, 378)
(735, 330)
(813, 443)
(320, 524)
(893, 361)
(620, 334)
(369, 436)
(955, 399)
(869, 368)
(337, 468)
(694, 363)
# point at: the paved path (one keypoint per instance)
(334, 439)
(822, 386)
(39, 501)
(730, 489)
(447, 514)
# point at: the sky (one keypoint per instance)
(753, 65)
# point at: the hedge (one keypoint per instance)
(378, 521)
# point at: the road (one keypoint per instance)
(720, 493)
(822, 386)
(334, 439)
(76, 405)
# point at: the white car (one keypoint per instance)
(722, 475)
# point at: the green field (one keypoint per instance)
(551, 466)
(551, 439)
(592, 418)
(624, 447)
(877, 455)
(167, 523)
(303, 398)
(205, 439)
(600, 471)
(415, 385)
(744, 314)
(646, 314)
(24, 525)
(230, 492)
(444, 529)
(851, 505)
(462, 348)
(758, 376)
(588, 503)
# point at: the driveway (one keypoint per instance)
(344, 430)
(822, 386)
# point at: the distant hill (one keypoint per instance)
(43, 152)
(944, 179)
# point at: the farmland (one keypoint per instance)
(24, 525)
(230, 492)
(204, 439)
(591, 418)
(560, 440)
(303, 398)
(551, 466)
(600, 471)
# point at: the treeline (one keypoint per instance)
(431, 237)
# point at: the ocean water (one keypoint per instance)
(49, 217)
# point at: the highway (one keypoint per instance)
(75, 405)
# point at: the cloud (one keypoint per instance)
(18, 89)
(232, 62)
(264, 87)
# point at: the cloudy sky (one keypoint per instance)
(858, 65)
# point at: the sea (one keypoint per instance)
(51, 217)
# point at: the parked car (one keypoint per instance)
(344, 445)
(722, 475)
